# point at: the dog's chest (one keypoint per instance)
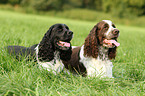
(97, 66)
(54, 65)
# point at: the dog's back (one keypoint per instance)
(22, 52)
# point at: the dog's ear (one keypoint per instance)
(91, 43)
(46, 50)
(48, 34)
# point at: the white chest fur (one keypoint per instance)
(54, 65)
(96, 66)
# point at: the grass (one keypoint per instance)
(74, 13)
(25, 78)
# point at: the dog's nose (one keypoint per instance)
(70, 33)
(115, 32)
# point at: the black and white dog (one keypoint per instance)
(49, 53)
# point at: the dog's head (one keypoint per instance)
(103, 34)
(109, 33)
(106, 33)
(58, 38)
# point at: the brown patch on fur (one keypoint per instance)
(94, 40)
(74, 65)
(112, 53)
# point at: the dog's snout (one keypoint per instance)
(115, 32)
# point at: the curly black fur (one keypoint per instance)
(47, 46)
(65, 55)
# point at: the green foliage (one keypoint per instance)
(3, 1)
(92, 4)
(119, 8)
(25, 3)
(44, 5)
(124, 8)
(23, 78)
(14, 2)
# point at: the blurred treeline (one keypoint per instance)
(119, 8)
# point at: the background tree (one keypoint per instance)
(119, 8)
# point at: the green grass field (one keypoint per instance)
(26, 79)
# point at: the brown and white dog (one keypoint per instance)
(93, 57)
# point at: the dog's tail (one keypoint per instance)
(22, 52)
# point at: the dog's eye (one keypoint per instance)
(67, 28)
(106, 26)
(113, 26)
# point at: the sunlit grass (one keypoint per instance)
(25, 78)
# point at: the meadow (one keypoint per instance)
(26, 79)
